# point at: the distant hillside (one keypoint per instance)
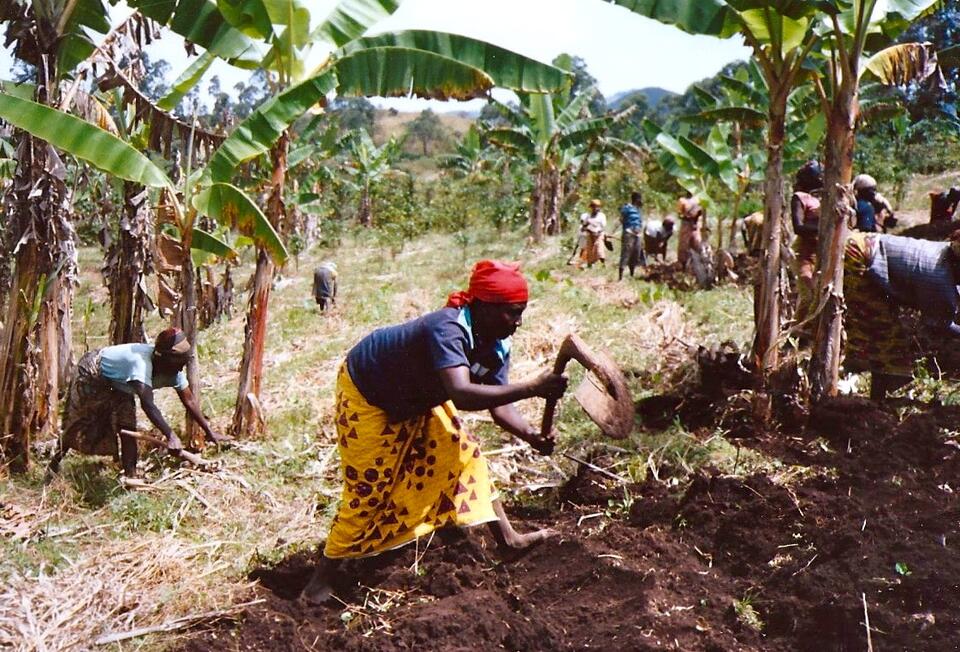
(652, 93)
(390, 122)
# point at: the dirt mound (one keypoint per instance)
(722, 563)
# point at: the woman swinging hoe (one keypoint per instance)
(408, 465)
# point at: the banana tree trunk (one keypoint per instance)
(248, 418)
(841, 129)
(538, 201)
(44, 264)
(365, 214)
(129, 261)
(554, 200)
(765, 348)
(186, 320)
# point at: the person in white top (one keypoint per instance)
(593, 225)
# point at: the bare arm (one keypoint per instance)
(797, 217)
(189, 400)
(467, 395)
(510, 419)
(145, 394)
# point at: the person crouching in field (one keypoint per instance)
(325, 284)
(100, 400)
(656, 236)
(409, 466)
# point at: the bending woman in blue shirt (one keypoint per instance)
(409, 466)
(100, 401)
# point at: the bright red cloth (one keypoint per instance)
(492, 281)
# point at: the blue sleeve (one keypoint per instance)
(448, 345)
(180, 382)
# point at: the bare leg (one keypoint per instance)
(128, 456)
(507, 537)
(320, 587)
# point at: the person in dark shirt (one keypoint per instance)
(865, 188)
(631, 247)
(409, 466)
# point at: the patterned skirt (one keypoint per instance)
(402, 480)
(877, 338)
(95, 412)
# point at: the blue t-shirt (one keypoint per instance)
(866, 216)
(123, 363)
(631, 217)
(395, 368)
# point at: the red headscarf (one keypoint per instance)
(492, 281)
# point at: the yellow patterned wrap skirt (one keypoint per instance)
(402, 480)
(877, 339)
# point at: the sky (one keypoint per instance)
(623, 51)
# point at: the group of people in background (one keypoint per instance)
(884, 274)
(638, 238)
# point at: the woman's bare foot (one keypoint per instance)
(509, 539)
(319, 590)
(517, 541)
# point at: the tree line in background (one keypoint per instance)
(177, 189)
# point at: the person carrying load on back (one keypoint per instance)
(593, 225)
(409, 465)
(691, 216)
(100, 399)
(325, 284)
(631, 247)
(805, 216)
(883, 273)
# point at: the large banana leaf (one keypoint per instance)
(211, 244)
(100, 148)
(711, 17)
(187, 80)
(585, 131)
(576, 108)
(259, 131)
(514, 140)
(351, 19)
(904, 63)
(543, 121)
(74, 44)
(507, 69)
(200, 22)
(393, 71)
(229, 205)
(743, 114)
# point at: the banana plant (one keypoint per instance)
(851, 30)
(35, 354)
(552, 132)
(743, 102)
(365, 162)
